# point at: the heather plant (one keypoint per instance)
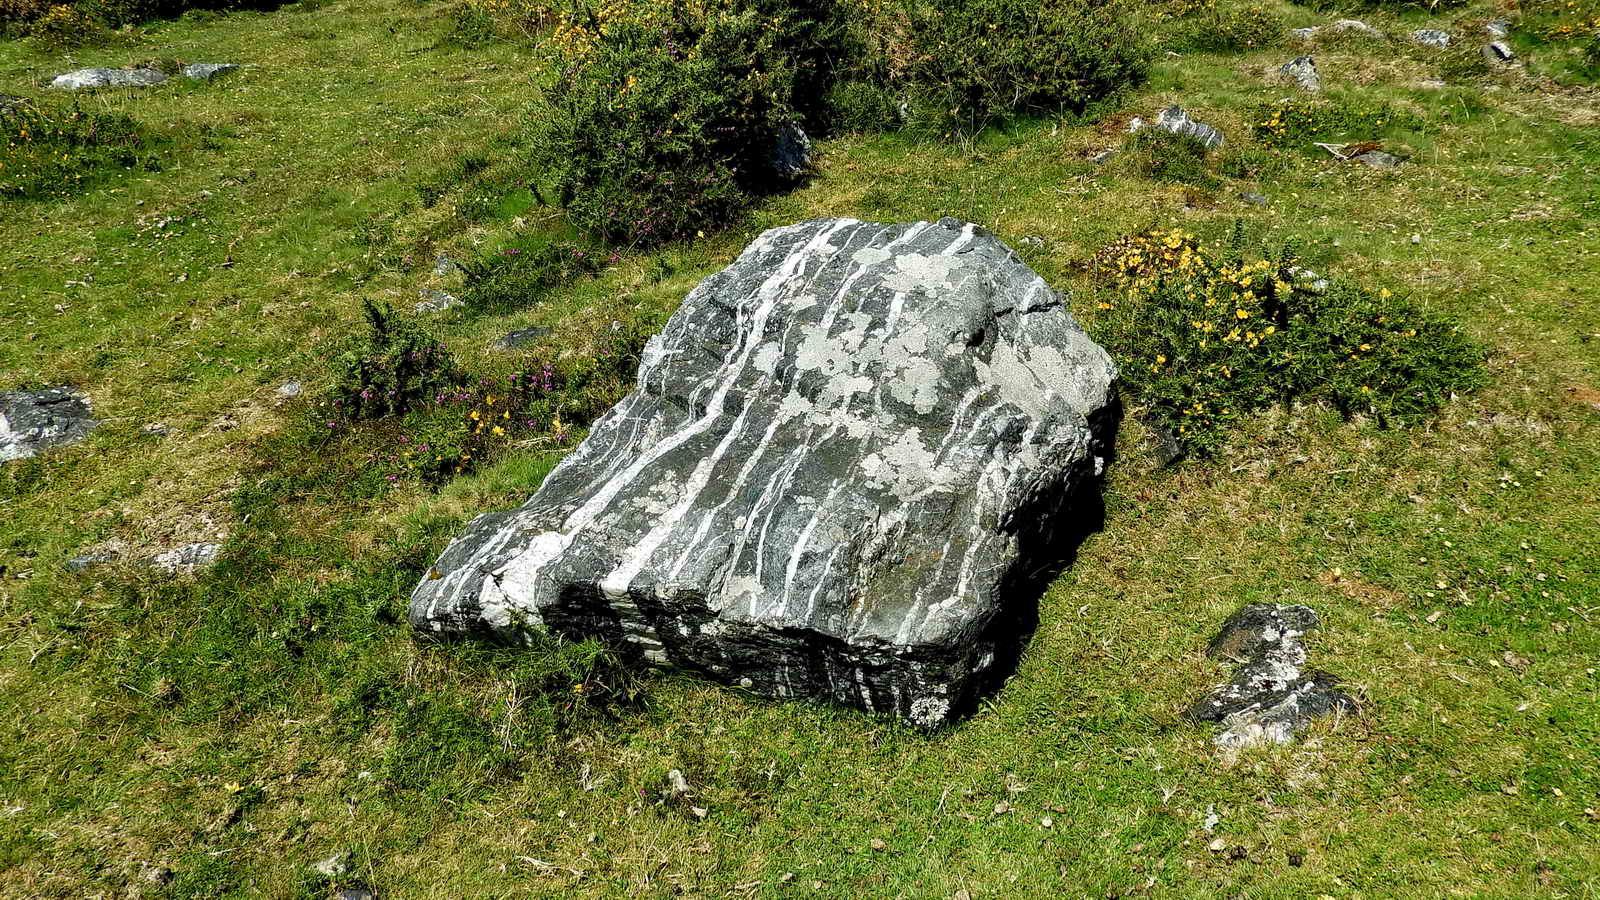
(392, 369)
(1204, 339)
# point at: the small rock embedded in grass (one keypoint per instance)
(186, 559)
(356, 893)
(1305, 34)
(435, 301)
(81, 79)
(444, 266)
(1302, 70)
(1254, 199)
(1497, 28)
(1176, 120)
(332, 867)
(31, 421)
(87, 561)
(289, 389)
(1499, 53)
(1356, 26)
(1431, 37)
(1272, 695)
(522, 337)
(207, 71)
(1377, 159)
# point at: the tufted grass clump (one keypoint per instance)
(1296, 122)
(1162, 155)
(1234, 29)
(515, 277)
(53, 152)
(1205, 340)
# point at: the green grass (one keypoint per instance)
(237, 727)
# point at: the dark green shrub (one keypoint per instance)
(1231, 30)
(55, 152)
(1162, 155)
(660, 118)
(971, 63)
(860, 107)
(395, 368)
(1204, 342)
(516, 277)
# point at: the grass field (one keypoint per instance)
(217, 735)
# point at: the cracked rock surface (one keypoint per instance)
(847, 456)
(31, 421)
(1272, 694)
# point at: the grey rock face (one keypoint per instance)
(83, 563)
(1302, 71)
(791, 153)
(1272, 695)
(1497, 28)
(847, 454)
(1377, 159)
(207, 71)
(31, 421)
(1431, 37)
(1499, 53)
(1176, 120)
(522, 337)
(186, 559)
(1304, 34)
(99, 78)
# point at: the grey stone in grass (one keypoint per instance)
(84, 562)
(1307, 280)
(791, 152)
(1302, 70)
(207, 71)
(522, 337)
(435, 301)
(850, 458)
(356, 893)
(1377, 159)
(1431, 37)
(1103, 157)
(1497, 28)
(1305, 34)
(1272, 694)
(1499, 53)
(444, 266)
(186, 559)
(332, 867)
(1356, 27)
(1253, 198)
(98, 78)
(31, 421)
(289, 389)
(1176, 120)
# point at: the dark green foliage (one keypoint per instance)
(53, 152)
(661, 123)
(1204, 342)
(860, 106)
(515, 277)
(1162, 155)
(973, 63)
(393, 369)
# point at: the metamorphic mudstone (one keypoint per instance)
(846, 455)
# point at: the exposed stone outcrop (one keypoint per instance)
(31, 421)
(848, 456)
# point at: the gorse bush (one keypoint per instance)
(662, 118)
(69, 22)
(967, 64)
(1204, 341)
(392, 369)
(52, 152)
